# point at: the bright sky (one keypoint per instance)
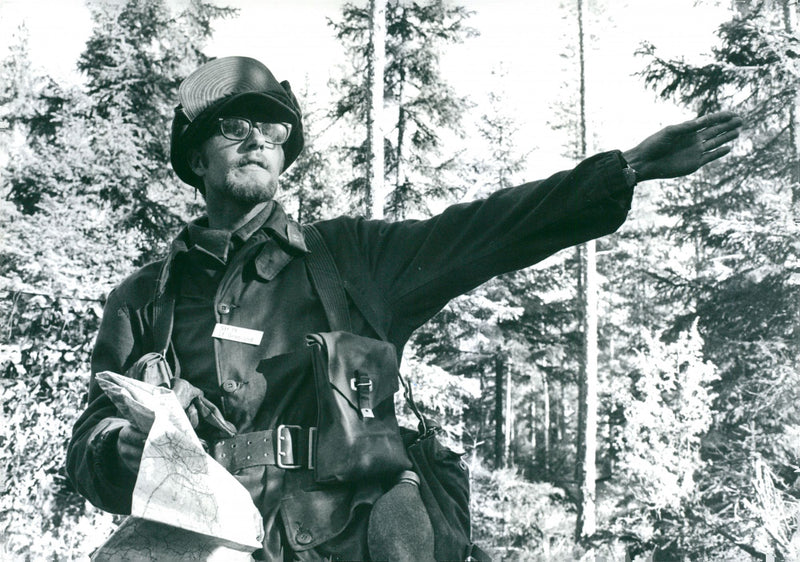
(292, 37)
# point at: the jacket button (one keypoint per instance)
(231, 385)
(303, 537)
(224, 308)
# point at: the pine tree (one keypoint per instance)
(502, 318)
(87, 197)
(414, 91)
(307, 187)
(738, 225)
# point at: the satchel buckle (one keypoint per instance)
(354, 384)
(284, 450)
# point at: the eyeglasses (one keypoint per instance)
(239, 128)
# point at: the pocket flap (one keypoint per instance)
(352, 359)
(314, 516)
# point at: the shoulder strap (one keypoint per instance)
(163, 316)
(163, 310)
(326, 280)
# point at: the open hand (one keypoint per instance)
(681, 149)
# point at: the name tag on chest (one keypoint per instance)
(235, 333)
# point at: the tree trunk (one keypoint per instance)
(561, 425)
(790, 25)
(482, 418)
(509, 425)
(375, 172)
(398, 195)
(587, 402)
(587, 406)
(587, 399)
(399, 153)
(532, 412)
(579, 443)
(499, 379)
(546, 423)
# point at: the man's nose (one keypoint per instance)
(257, 140)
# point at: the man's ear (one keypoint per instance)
(197, 162)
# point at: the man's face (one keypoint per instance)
(243, 171)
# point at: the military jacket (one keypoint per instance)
(397, 275)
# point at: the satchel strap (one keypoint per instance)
(163, 310)
(327, 281)
(477, 554)
(163, 318)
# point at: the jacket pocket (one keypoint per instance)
(314, 516)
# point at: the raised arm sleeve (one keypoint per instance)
(418, 266)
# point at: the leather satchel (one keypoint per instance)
(357, 433)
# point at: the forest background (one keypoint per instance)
(699, 428)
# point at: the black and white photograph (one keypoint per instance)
(400, 280)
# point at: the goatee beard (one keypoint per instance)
(250, 192)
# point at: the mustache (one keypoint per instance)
(253, 159)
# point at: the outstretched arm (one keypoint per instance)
(679, 150)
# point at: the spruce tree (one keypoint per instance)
(737, 223)
(87, 197)
(414, 92)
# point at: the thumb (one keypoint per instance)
(185, 392)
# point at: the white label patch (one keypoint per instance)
(235, 333)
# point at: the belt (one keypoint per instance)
(287, 446)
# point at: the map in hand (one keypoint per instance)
(182, 495)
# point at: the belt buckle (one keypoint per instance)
(282, 451)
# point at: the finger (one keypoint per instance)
(185, 392)
(706, 121)
(722, 128)
(130, 446)
(714, 155)
(719, 140)
(130, 436)
(130, 454)
(191, 413)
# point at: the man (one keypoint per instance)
(244, 267)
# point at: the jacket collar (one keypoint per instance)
(286, 241)
(284, 232)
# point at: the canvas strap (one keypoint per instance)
(163, 315)
(327, 281)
